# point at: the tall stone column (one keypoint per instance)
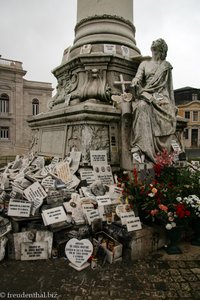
(87, 8)
(105, 21)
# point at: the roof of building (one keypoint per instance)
(186, 88)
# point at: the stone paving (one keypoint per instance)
(159, 276)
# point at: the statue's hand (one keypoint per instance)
(134, 82)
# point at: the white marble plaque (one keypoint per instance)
(54, 215)
(115, 192)
(78, 252)
(109, 49)
(92, 215)
(86, 207)
(3, 242)
(4, 181)
(122, 208)
(74, 182)
(74, 206)
(54, 196)
(47, 169)
(87, 193)
(17, 163)
(27, 237)
(45, 236)
(35, 190)
(77, 216)
(75, 197)
(63, 172)
(55, 160)
(125, 216)
(86, 49)
(19, 238)
(98, 157)
(19, 208)
(38, 162)
(137, 157)
(37, 202)
(75, 161)
(87, 174)
(34, 251)
(103, 200)
(175, 146)
(102, 213)
(48, 182)
(104, 174)
(5, 226)
(133, 224)
(16, 192)
(125, 51)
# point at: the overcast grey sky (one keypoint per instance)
(36, 32)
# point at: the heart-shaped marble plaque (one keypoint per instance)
(78, 252)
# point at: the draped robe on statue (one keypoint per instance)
(154, 111)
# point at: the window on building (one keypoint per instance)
(35, 106)
(4, 103)
(4, 133)
(186, 134)
(194, 138)
(194, 97)
(195, 116)
(187, 114)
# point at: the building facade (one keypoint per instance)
(19, 100)
(188, 102)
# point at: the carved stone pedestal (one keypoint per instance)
(83, 127)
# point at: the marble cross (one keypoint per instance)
(127, 97)
(123, 83)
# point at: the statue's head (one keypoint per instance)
(160, 46)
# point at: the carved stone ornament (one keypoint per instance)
(105, 16)
(94, 86)
(86, 137)
(66, 85)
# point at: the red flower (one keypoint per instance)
(157, 169)
(181, 211)
(187, 213)
(135, 175)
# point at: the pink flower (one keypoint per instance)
(163, 207)
(154, 212)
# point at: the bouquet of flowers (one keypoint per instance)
(157, 197)
(193, 204)
(169, 212)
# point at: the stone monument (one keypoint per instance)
(93, 75)
(81, 115)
